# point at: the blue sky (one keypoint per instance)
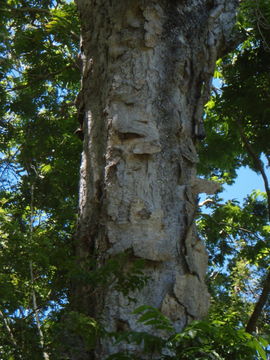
(246, 181)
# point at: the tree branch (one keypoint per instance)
(35, 79)
(34, 299)
(75, 36)
(258, 164)
(8, 328)
(251, 325)
(26, 9)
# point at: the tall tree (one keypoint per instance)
(147, 69)
(238, 129)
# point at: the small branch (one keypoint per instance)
(268, 159)
(26, 9)
(241, 229)
(258, 164)
(9, 330)
(251, 325)
(237, 228)
(7, 161)
(205, 202)
(75, 36)
(34, 299)
(10, 9)
(46, 76)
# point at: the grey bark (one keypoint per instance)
(147, 69)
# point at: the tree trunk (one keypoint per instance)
(147, 68)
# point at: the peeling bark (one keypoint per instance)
(146, 75)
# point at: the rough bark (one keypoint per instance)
(147, 66)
